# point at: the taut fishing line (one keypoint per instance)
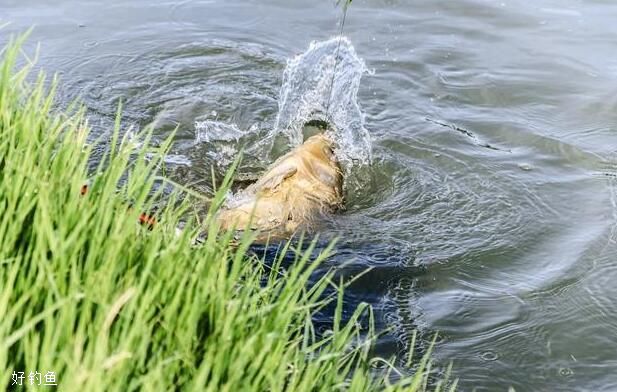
(336, 56)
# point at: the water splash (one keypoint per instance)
(222, 137)
(308, 88)
(310, 92)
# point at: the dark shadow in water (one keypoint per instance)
(366, 284)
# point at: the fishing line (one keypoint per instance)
(336, 57)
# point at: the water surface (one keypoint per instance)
(489, 210)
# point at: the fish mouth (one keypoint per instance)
(315, 127)
(318, 123)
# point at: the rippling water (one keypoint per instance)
(489, 210)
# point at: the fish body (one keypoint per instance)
(291, 195)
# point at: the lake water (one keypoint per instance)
(489, 211)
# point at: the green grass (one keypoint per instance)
(108, 305)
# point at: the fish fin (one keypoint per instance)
(276, 177)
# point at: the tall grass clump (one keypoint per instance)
(108, 305)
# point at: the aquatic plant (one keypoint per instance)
(92, 301)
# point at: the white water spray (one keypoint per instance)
(309, 87)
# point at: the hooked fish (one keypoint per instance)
(291, 195)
